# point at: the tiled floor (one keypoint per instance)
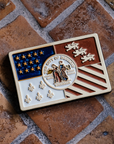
(27, 23)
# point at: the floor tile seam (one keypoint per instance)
(107, 107)
(44, 29)
(31, 126)
(21, 10)
(9, 18)
(109, 60)
(99, 119)
(44, 32)
(22, 136)
(66, 13)
(106, 7)
(32, 130)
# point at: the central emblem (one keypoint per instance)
(59, 71)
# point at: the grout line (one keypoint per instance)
(36, 27)
(108, 110)
(32, 130)
(9, 18)
(43, 32)
(41, 136)
(107, 7)
(63, 15)
(22, 10)
(109, 60)
(21, 137)
(32, 127)
(89, 128)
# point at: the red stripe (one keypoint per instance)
(83, 88)
(91, 75)
(73, 92)
(91, 83)
(95, 69)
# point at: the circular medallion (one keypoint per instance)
(59, 71)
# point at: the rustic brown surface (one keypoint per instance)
(89, 44)
(103, 134)
(88, 18)
(110, 96)
(17, 35)
(46, 10)
(11, 124)
(6, 6)
(62, 122)
(111, 3)
(31, 139)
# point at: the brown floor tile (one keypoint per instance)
(103, 134)
(11, 124)
(6, 6)
(17, 35)
(111, 3)
(62, 122)
(110, 96)
(46, 10)
(89, 17)
(31, 139)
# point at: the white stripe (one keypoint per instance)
(77, 90)
(92, 72)
(86, 85)
(71, 95)
(92, 80)
(97, 66)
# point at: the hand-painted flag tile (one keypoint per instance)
(59, 72)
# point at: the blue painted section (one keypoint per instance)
(47, 52)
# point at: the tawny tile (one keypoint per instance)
(17, 35)
(62, 122)
(46, 11)
(90, 17)
(31, 139)
(11, 124)
(103, 134)
(110, 96)
(6, 6)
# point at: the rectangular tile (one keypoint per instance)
(57, 76)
